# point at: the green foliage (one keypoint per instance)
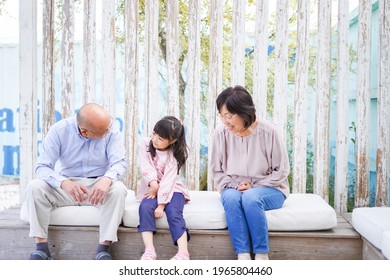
(2, 4)
(203, 179)
(352, 173)
(352, 127)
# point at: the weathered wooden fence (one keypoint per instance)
(29, 87)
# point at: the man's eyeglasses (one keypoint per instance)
(109, 128)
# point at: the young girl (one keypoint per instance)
(161, 157)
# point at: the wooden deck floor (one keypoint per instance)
(342, 242)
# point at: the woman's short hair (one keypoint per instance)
(238, 101)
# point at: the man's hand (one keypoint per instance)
(99, 191)
(75, 189)
(158, 213)
(244, 186)
(153, 188)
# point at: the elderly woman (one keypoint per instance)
(249, 167)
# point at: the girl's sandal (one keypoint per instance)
(181, 257)
(150, 254)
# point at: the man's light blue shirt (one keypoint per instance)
(66, 153)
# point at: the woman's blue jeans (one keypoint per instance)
(245, 217)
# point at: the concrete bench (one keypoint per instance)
(373, 223)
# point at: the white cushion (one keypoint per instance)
(302, 212)
(73, 215)
(203, 211)
(386, 244)
(371, 222)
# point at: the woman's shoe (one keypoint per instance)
(261, 256)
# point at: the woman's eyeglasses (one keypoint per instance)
(227, 117)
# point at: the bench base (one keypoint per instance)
(76, 243)
(370, 252)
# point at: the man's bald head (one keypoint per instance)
(93, 120)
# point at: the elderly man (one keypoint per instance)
(81, 162)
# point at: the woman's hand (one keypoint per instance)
(244, 186)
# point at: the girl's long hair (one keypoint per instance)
(172, 129)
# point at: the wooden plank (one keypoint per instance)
(10, 218)
(363, 105)
(172, 58)
(260, 62)
(321, 147)
(281, 60)
(108, 59)
(347, 216)
(151, 92)
(80, 243)
(193, 93)
(300, 99)
(342, 232)
(28, 97)
(48, 91)
(370, 252)
(67, 70)
(342, 223)
(300, 248)
(341, 175)
(89, 51)
(237, 76)
(131, 92)
(215, 77)
(212, 246)
(341, 242)
(383, 149)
